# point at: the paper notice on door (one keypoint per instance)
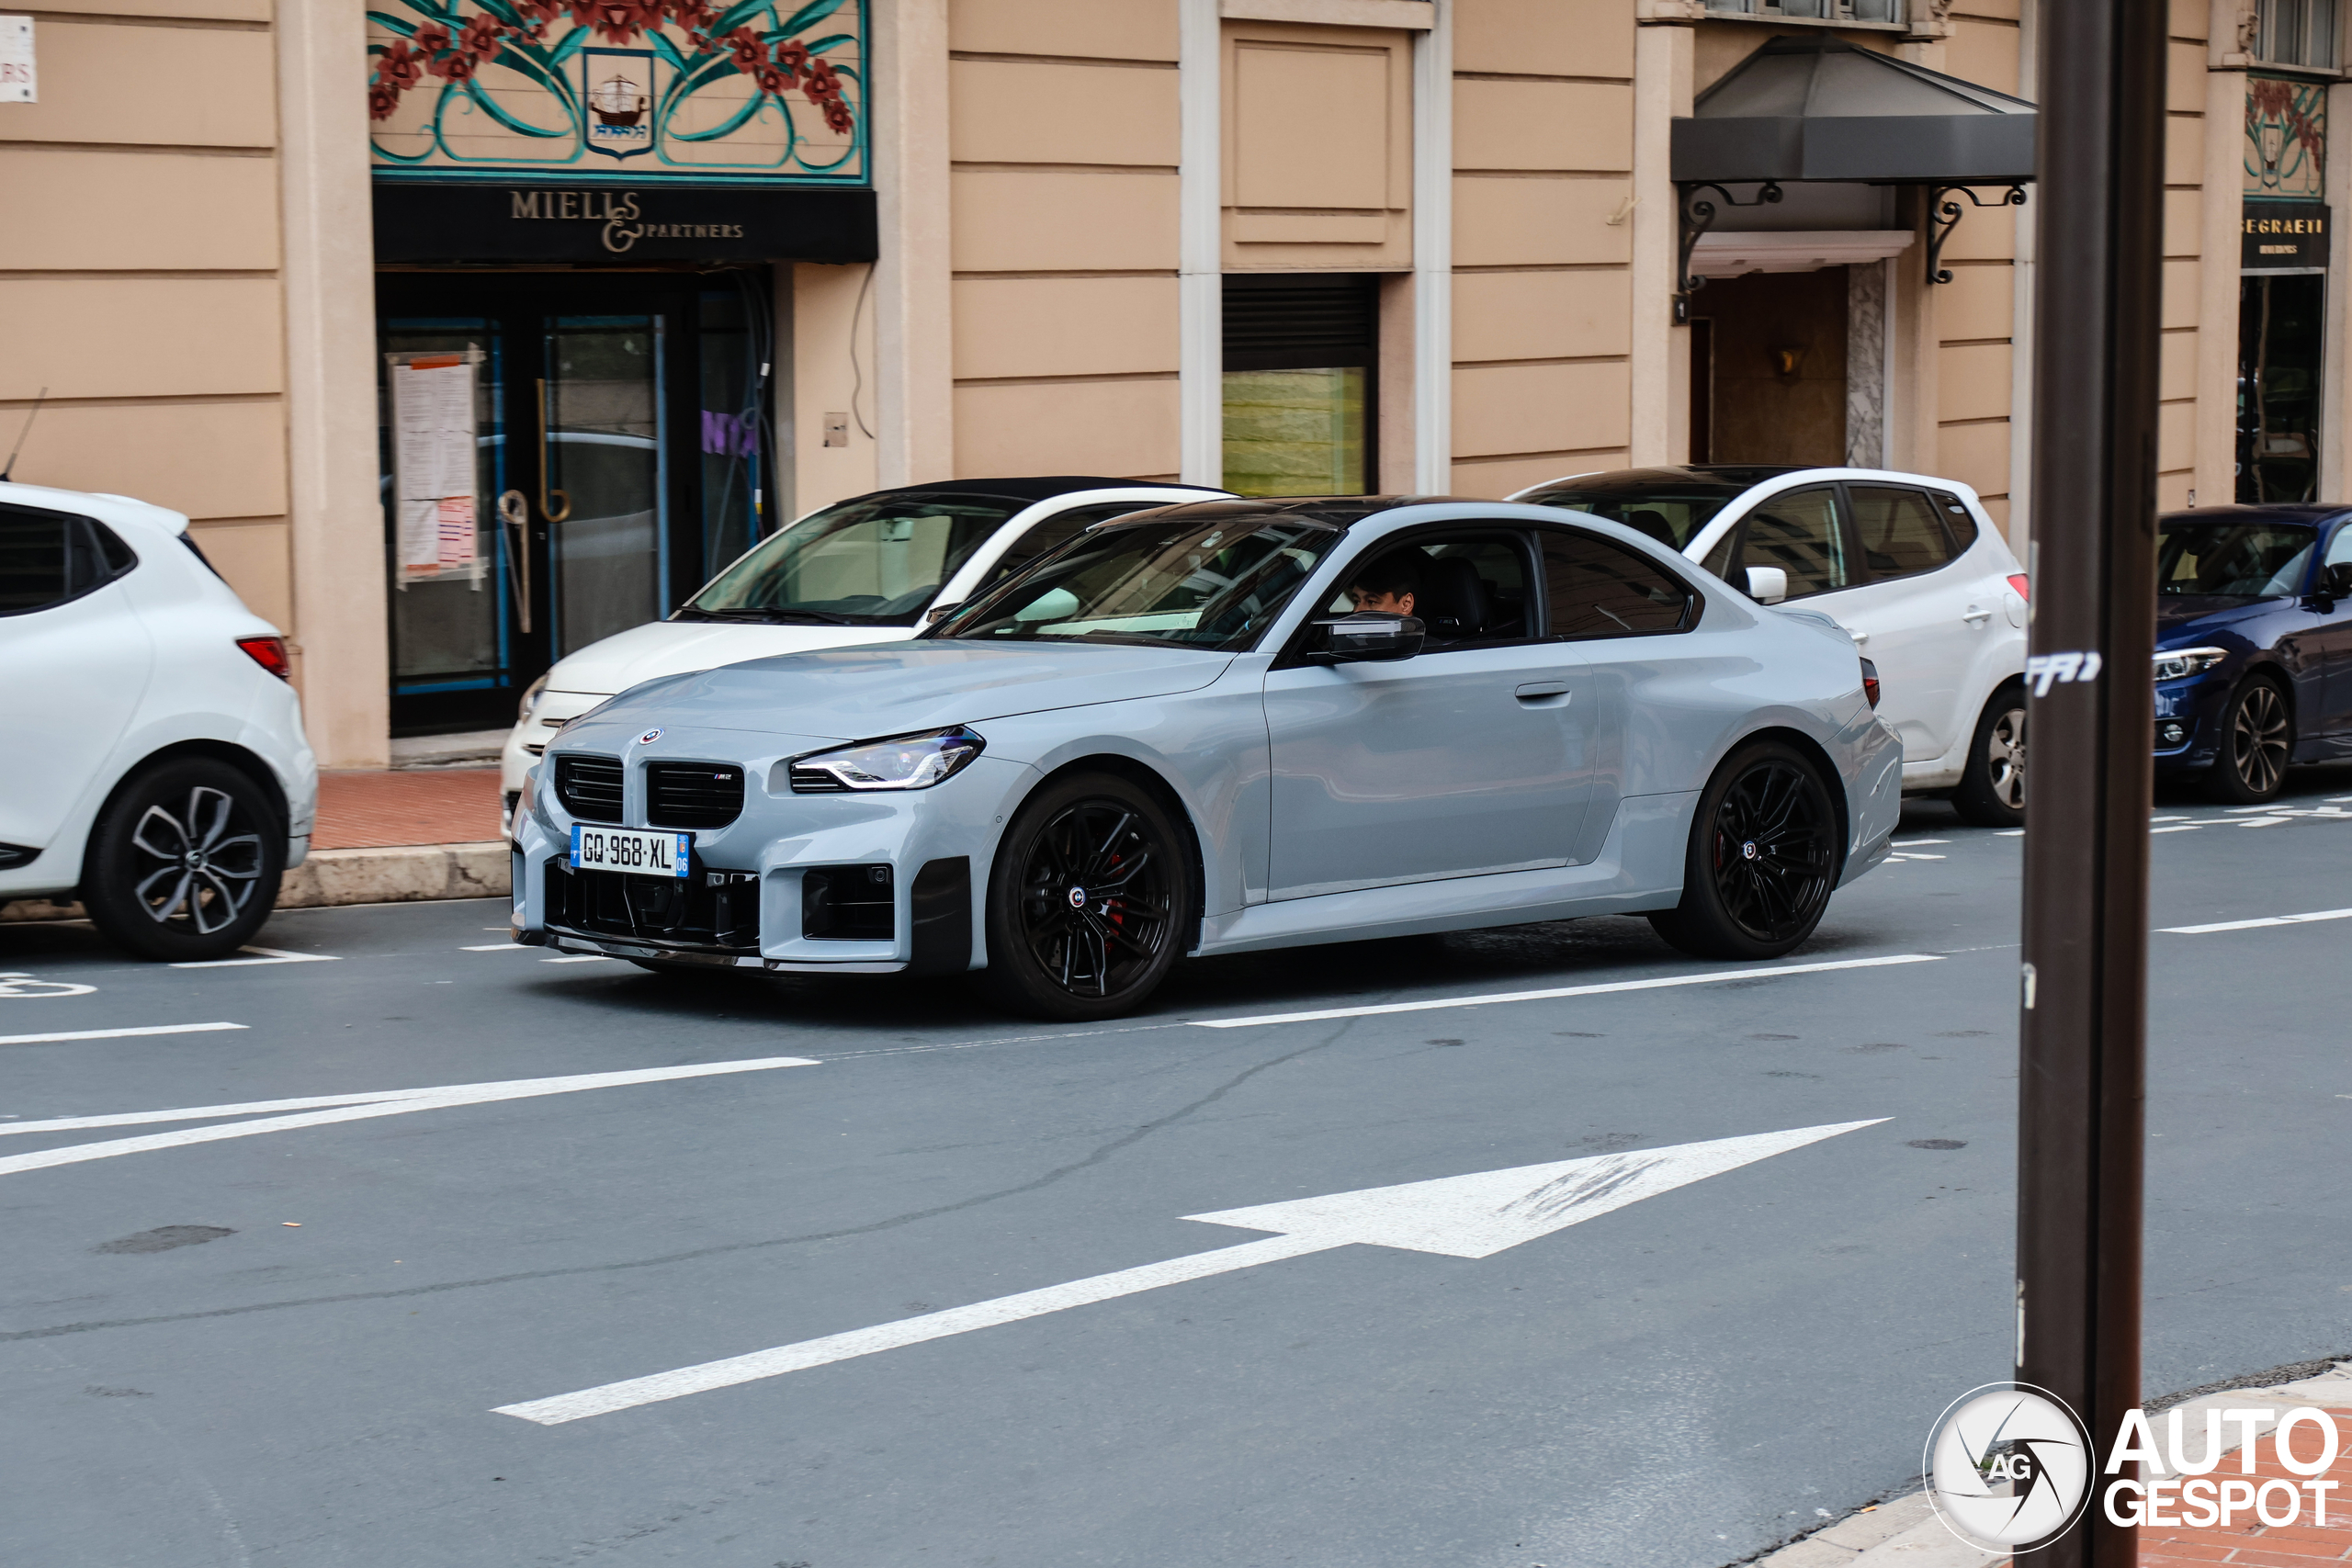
(433, 462)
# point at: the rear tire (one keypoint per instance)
(1763, 858)
(183, 862)
(1992, 783)
(2257, 739)
(1087, 891)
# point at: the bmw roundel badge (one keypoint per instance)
(648, 738)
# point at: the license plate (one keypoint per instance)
(628, 850)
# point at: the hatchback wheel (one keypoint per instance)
(1992, 784)
(2255, 739)
(184, 864)
(1086, 898)
(1763, 858)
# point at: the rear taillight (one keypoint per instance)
(2019, 581)
(1869, 682)
(269, 652)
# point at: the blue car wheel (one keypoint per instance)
(2255, 740)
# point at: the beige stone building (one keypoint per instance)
(474, 332)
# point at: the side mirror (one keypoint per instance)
(1369, 636)
(940, 612)
(1767, 585)
(2335, 582)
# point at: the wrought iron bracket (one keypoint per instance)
(1944, 214)
(1695, 215)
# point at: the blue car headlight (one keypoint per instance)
(2179, 663)
(902, 762)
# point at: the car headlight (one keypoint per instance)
(2179, 663)
(531, 699)
(902, 762)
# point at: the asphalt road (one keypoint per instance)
(287, 1348)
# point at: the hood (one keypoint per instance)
(860, 693)
(2187, 618)
(680, 648)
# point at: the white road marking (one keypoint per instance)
(268, 955)
(2172, 818)
(1917, 844)
(2184, 828)
(1455, 1216)
(2264, 920)
(2262, 821)
(114, 1034)
(1897, 859)
(2008, 832)
(1663, 982)
(15, 984)
(497, 947)
(583, 958)
(354, 1107)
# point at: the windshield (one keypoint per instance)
(1673, 514)
(1191, 582)
(873, 561)
(2232, 558)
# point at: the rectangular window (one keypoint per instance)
(2281, 332)
(1300, 369)
(1901, 537)
(1885, 11)
(2297, 32)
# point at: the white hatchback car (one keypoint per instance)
(876, 568)
(1910, 565)
(173, 785)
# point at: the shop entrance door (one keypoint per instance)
(616, 439)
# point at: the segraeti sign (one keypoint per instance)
(603, 224)
(2283, 236)
(618, 92)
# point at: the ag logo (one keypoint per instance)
(2009, 1466)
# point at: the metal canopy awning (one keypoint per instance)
(1822, 109)
(1817, 109)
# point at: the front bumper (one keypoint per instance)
(759, 890)
(2188, 721)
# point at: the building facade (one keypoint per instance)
(467, 331)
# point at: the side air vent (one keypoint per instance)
(590, 787)
(693, 794)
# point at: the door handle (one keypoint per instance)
(1976, 615)
(1535, 691)
(516, 513)
(547, 510)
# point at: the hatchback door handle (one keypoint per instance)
(1976, 615)
(1533, 690)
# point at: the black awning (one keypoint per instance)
(1821, 109)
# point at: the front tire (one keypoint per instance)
(1763, 858)
(1992, 784)
(184, 864)
(2257, 740)
(1086, 896)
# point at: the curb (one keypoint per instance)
(401, 876)
(1905, 1532)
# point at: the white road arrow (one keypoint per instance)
(1460, 1216)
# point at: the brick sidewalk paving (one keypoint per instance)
(2298, 1545)
(384, 810)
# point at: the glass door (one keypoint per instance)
(618, 436)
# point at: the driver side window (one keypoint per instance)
(1798, 531)
(1467, 589)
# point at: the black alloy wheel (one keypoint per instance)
(1763, 858)
(1085, 898)
(2255, 740)
(1991, 793)
(184, 864)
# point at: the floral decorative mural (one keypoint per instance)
(2286, 139)
(641, 91)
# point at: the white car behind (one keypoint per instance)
(158, 770)
(1910, 565)
(877, 568)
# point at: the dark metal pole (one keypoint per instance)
(2081, 1048)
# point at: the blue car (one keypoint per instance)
(2254, 644)
(1224, 727)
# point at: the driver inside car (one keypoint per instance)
(1387, 586)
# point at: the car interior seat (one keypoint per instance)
(1652, 525)
(1454, 601)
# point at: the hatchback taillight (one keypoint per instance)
(1869, 682)
(269, 652)
(2019, 581)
